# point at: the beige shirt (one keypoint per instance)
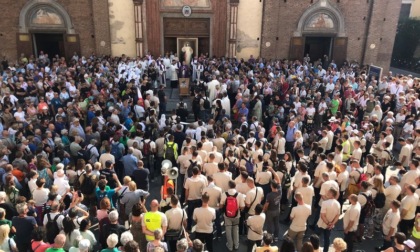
(174, 216)
(300, 214)
(221, 179)
(215, 194)
(204, 217)
(195, 186)
(352, 214)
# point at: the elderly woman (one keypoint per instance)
(377, 111)
(156, 243)
(111, 242)
(125, 238)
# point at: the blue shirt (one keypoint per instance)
(290, 134)
(130, 164)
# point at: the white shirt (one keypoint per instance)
(204, 217)
(221, 179)
(215, 193)
(352, 214)
(256, 224)
(391, 193)
(409, 203)
(250, 196)
(300, 214)
(40, 196)
(331, 208)
(391, 220)
(307, 194)
(62, 185)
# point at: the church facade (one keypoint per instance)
(353, 30)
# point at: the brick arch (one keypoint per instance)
(321, 7)
(31, 6)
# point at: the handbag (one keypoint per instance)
(175, 235)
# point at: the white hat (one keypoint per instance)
(355, 131)
(410, 244)
(333, 119)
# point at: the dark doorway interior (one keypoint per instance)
(51, 43)
(317, 47)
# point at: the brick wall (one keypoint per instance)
(81, 14)
(281, 18)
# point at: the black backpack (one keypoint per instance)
(190, 168)
(196, 103)
(170, 152)
(369, 208)
(206, 104)
(379, 200)
(51, 228)
(87, 187)
(76, 183)
(85, 153)
(232, 168)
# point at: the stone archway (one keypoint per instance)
(45, 15)
(321, 17)
(322, 27)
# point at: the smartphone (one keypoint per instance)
(79, 193)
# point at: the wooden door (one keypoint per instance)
(169, 45)
(339, 50)
(297, 46)
(203, 46)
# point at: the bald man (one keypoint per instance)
(58, 245)
(154, 220)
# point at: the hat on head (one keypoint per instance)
(333, 119)
(410, 244)
(355, 131)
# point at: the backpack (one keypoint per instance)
(85, 153)
(232, 168)
(206, 104)
(87, 187)
(146, 148)
(115, 151)
(51, 228)
(391, 160)
(196, 104)
(380, 200)
(286, 181)
(369, 208)
(249, 166)
(76, 183)
(362, 177)
(170, 152)
(190, 168)
(231, 205)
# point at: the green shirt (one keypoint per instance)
(55, 250)
(334, 106)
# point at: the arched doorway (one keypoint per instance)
(45, 25)
(320, 33)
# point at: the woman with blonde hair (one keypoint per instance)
(339, 245)
(6, 243)
(298, 144)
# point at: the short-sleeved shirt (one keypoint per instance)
(204, 217)
(110, 194)
(331, 208)
(273, 199)
(352, 214)
(24, 226)
(174, 216)
(250, 196)
(391, 220)
(300, 214)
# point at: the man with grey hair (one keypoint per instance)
(113, 226)
(130, 162)
(23, 225)
(93, 151)
(56, 217)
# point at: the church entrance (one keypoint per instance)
(50, 43)
(317, 47)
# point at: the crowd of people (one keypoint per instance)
(83, 141)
